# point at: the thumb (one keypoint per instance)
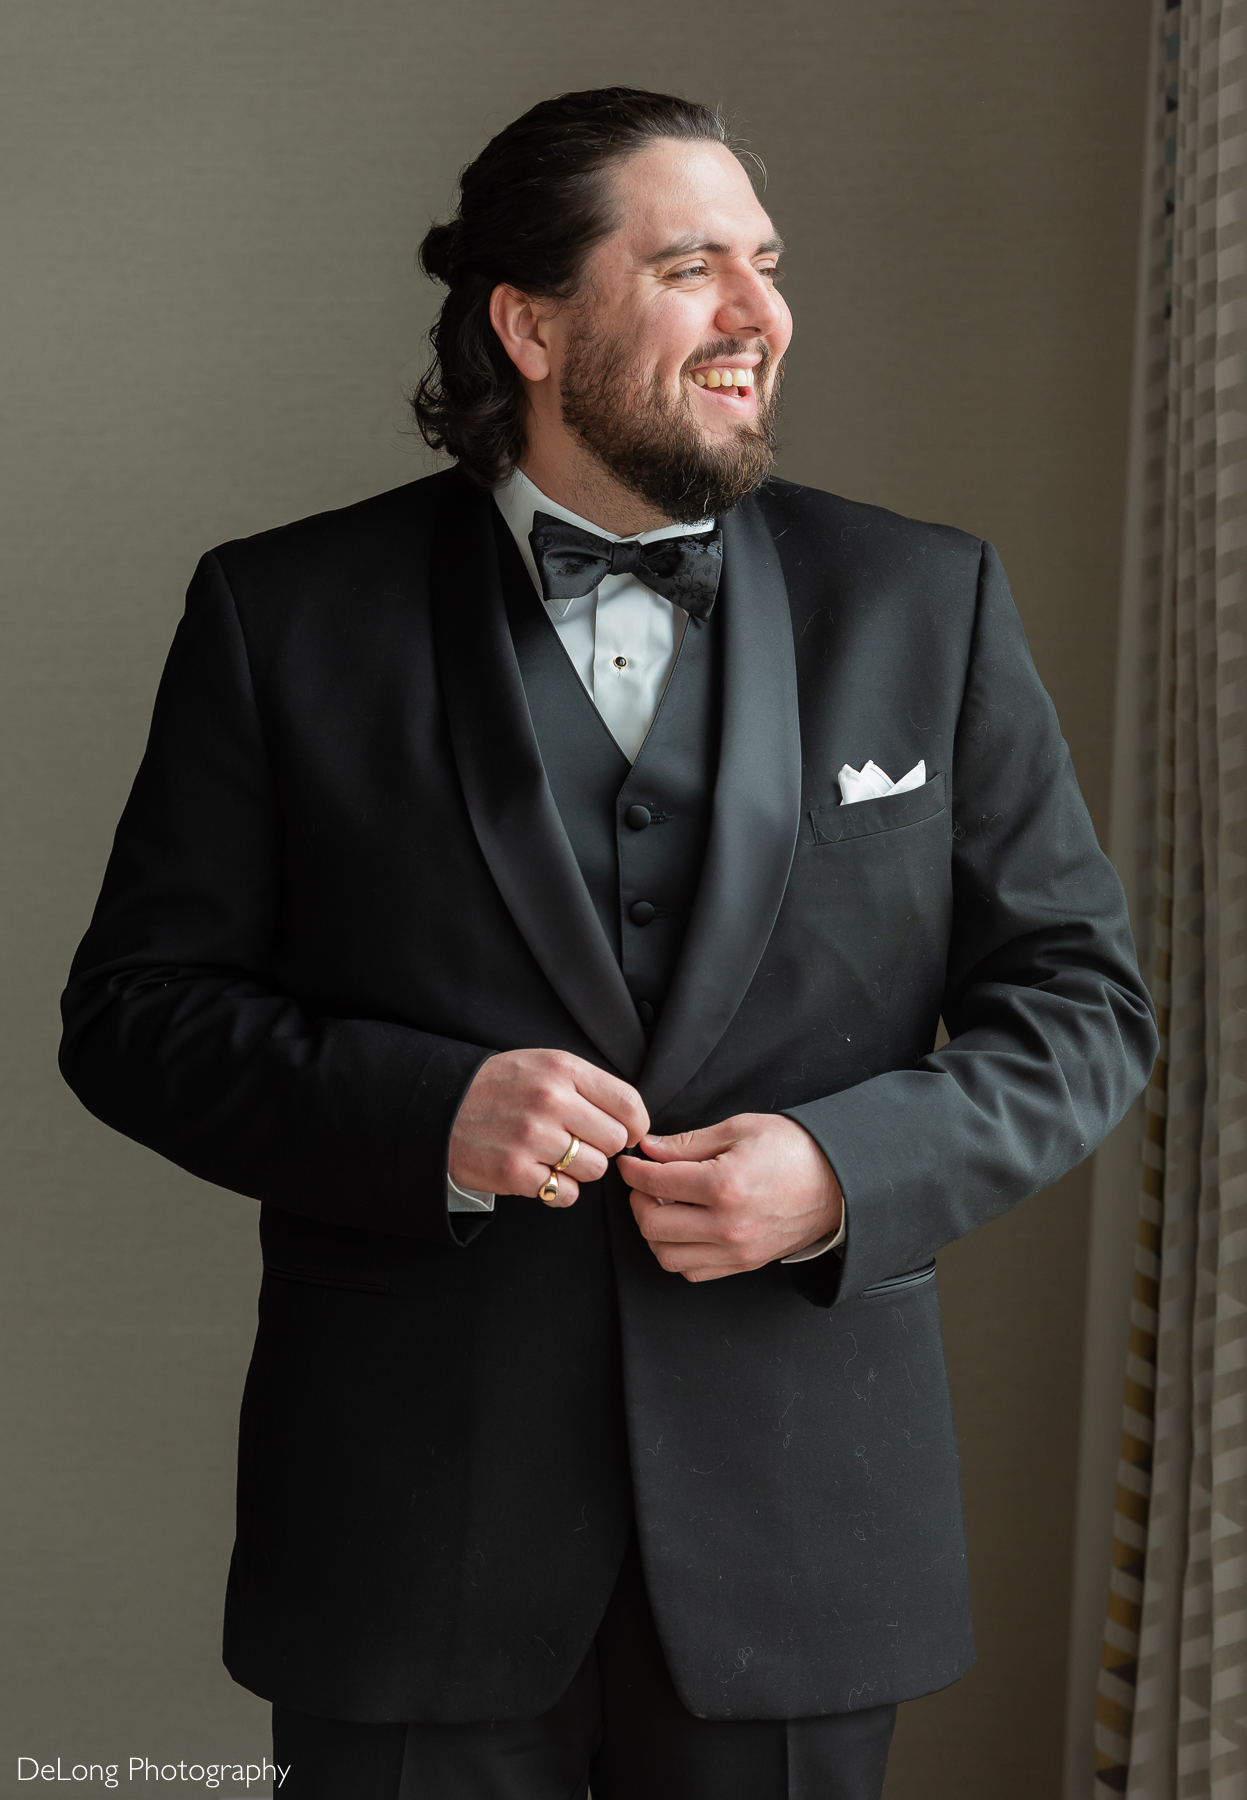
(688, 1146)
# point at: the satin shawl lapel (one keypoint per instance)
(757, 809)
(513, 814)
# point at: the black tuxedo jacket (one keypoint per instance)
(341, 881)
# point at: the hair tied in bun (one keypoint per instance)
(438, 249)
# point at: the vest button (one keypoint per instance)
(641, 912)
(638, 817)
(645, 1012)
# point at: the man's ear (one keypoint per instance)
(520, 324)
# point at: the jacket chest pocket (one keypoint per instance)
(871, 891)
(839, 824)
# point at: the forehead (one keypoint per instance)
(675, 188)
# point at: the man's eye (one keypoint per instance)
(772, 272)
(686, 274)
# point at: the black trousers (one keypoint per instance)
(619, 1728)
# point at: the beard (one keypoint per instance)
(652, 444)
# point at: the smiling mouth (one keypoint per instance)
(732, 380)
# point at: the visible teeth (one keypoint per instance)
(728, 378)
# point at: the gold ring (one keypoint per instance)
(568, 1157)
(549, 1189)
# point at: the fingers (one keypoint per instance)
(550, 1145)
(669, 1223)
(769, 1190)
(537, 1141)
(567, 1095)
(677, 1235)
(526, 1176)
(547, 1131)
(692, 1146)
(567, 1195)
(692, 1242)
(601, 1137)
(522, 1109)
(614, 1097)
(694, 1183)
(704, 1262)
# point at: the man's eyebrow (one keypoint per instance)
(693, 245)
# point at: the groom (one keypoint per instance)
(541, 891)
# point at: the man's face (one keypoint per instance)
(670, 356)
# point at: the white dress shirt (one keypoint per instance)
(622, 640)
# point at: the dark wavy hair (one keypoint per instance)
(531, 208)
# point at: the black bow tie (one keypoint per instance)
(571, 563)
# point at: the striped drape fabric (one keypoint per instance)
(1172, 1702)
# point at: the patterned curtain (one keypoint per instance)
(1172, 1702)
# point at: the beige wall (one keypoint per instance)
(212, 314)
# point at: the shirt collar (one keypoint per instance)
(519, 498)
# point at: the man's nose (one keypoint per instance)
(750, 307)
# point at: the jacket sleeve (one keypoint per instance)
(173, 1031)
(1052, 1031)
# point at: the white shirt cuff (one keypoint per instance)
(823, 1245)
(466, 1199)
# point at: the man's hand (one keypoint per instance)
(520, 1113)
(734, 1196)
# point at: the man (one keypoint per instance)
(601, 822)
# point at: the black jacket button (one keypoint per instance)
(645, 1012)
(641, 912)
(638, 817)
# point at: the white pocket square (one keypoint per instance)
(870, 782)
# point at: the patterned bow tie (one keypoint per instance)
(571, 563)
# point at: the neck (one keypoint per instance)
(578, 481)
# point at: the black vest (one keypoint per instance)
(638, 831)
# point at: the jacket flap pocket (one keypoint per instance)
(896, 1284)
(863, 818)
